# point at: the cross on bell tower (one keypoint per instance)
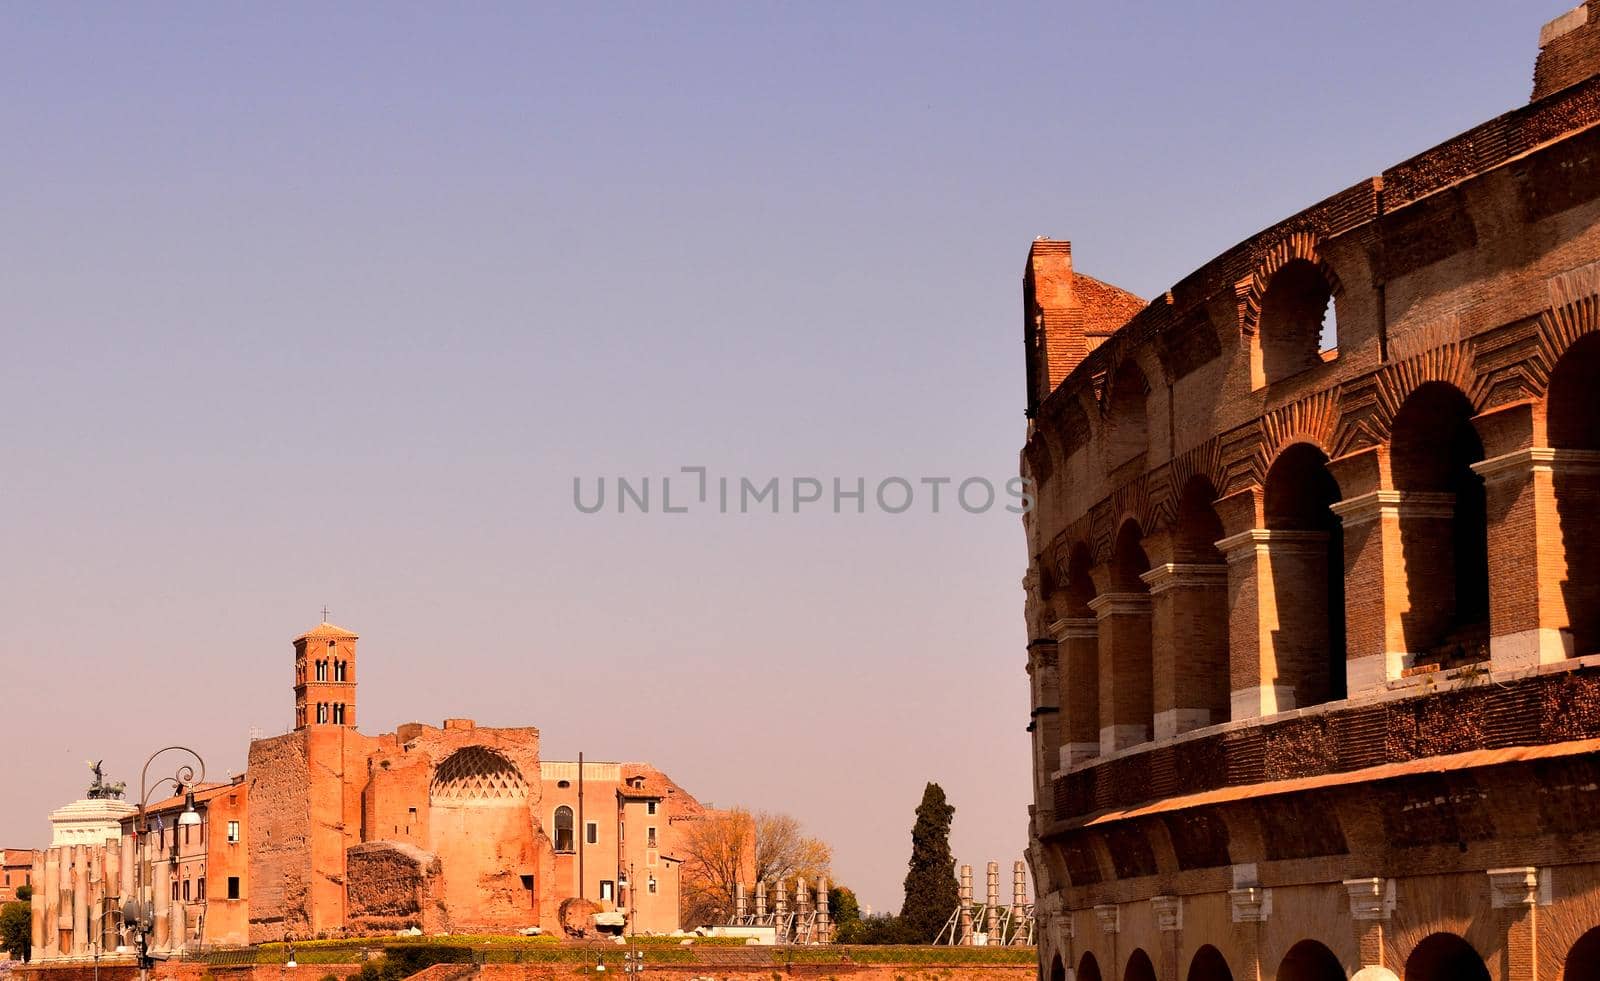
(325, 676)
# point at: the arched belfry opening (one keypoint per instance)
(1126, 672)
(1305, 546)
(1447, 957)
(1127, 431)
(1078, 640)
(1573, 426)
(1297, 327)
(1444, 538)
(1189, 598)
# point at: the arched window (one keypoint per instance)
(1573, 414)
(1078, 671)
(1126, 431)
(1139, 967)
(1305, 550)
(1444, 538)
(1126, 705)
(1297, 323)
(1447, 957)
(1310, 961)
(1209, 965)
(563, 822)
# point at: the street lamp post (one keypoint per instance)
(141, 912)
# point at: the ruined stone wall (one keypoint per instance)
(279, 852)
(395, 886)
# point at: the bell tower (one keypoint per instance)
(325, 677)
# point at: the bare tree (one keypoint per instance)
(727, 848)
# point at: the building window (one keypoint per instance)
(200, 893)
(608, 890)
(338, 671)
(564, 829)
(649, 837)
(322, 670)
(233, 887)
(591, 832)
(322, 713)
(174, 891)
(233, 832)
(650, 807)
(186, 834)
(652, 885)
(186, 890)
(338, 713)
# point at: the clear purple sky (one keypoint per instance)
(306, 305)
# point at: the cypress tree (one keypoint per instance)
(932, 892)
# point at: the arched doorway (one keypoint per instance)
(1209, 965)
(1445, 957)
(1306, 559)
(1583, 960)
(1444, 538)
(1088, 968)
(1573, 420)
(1296, 322)
(1058, 971)
(1139, 967)
(1309, 960)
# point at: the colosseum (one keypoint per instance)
(1314, 586)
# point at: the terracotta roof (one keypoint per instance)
(657, 785)
(1105, 307)
(326, 631)
(202, 792)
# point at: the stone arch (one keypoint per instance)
(1125, 414)
(1251, 291)
(477, 774)
(1443, 526)
(1446, 957)
(1583, 960)
(1058, 970)
(1309, 960)
(1208, 964)
(1305, 547)
(1190, 617)
(1293, 327)
(1139, 967)
(1126, 669)
(1088, 968)
(1572, 414)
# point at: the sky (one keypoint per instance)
(310, 305)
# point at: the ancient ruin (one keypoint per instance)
(1313, 595)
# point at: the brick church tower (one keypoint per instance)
(325, 677)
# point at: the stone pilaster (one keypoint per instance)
(1045, 716)
(1125, 669)
(37, 917)
(1277, 651)
(50, 887)
(1189, 645)
(1530, 620)
(1515, 897)
(1375, 590)
(1168, 912)
(1371, 903)
(1078, 672)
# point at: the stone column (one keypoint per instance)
(1109, 918)
(1375, 590)
(1515, 896)
(1126, 705)
(1371, 903)
(1251, 907)
(50, 888)
(97, 897)
(1168, 911)
(1278, 650)
(128, 866)
(38, 905)
(964, 895)
(1078, 673)
(80, 901)
(1189, 645)
(991, 925)
(1044, 686)
(1019, 900)
(1530, 619)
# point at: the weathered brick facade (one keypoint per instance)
(1314, 590)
